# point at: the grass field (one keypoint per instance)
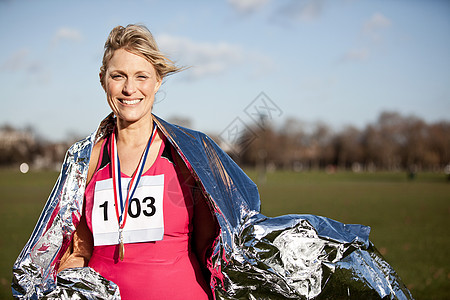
(409, 219)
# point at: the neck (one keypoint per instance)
(134, 134)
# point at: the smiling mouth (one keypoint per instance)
(130, 101)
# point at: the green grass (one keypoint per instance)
(22, 198)
(409, 219)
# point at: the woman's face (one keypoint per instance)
(130, 85)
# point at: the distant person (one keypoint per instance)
(412, 172)
(447, 171)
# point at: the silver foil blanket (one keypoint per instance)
(34, 270)
(307, 257)
(254, 257)
(83, 283)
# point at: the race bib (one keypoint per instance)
(145, 220)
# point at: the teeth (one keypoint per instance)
(131, 101)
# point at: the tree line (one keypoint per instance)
(23, 146)
(393, 142)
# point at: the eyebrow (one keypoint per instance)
(137, 72)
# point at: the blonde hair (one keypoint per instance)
(137, 39)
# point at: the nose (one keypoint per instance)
(129, 87)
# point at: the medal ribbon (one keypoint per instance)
(117, 178)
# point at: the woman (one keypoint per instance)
(162, 232)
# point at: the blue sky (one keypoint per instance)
(341, 62)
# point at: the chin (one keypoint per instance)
(133, 118)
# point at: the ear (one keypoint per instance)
(158, 84)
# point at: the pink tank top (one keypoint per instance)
(163, 269)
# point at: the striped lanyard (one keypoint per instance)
(121, 205)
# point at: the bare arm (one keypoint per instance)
(80, 251)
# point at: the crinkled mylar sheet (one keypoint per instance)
(254, 256)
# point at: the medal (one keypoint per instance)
(117, 186)
(121, 246)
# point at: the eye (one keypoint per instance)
(116, 76)
(142, 77)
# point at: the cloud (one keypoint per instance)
(376, 21)
(207, 58)
(65, 33)
(373, 27)
(20, 61)
(300, 10)
(247, 6)
(372, 32)
(304, 11)
(296, 10)
(17, 61)
(356, 55)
